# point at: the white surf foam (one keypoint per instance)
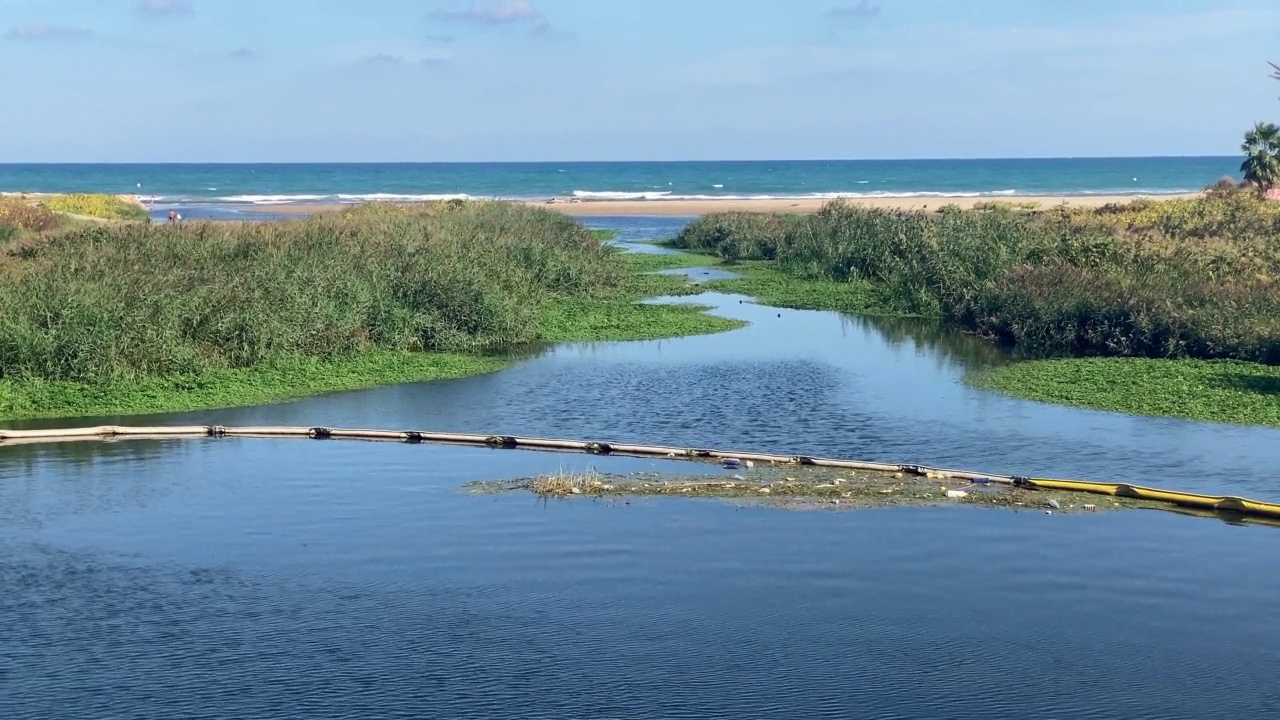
(613, 195)
(271, 199)
(396, 197)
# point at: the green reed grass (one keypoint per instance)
(1194, 278)
(107, 319)
(127, 302)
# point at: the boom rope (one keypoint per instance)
(1211, 503)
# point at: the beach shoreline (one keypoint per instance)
(693, 208)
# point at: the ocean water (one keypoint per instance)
(232, 185)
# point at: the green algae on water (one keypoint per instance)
(276, 382)
(772, 285)
(1221, 391)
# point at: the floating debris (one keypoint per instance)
(806, 488)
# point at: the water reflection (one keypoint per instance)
(950, 346)
(83, 456)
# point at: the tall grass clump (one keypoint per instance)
(739, 235)
(125, 302)
(108, 207)
(19, 216)
(1183, 278)
(1223, 213)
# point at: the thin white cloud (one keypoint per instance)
(165, 8)
(47, 32)
(862, 9)
(394, 53)
(494, 12)
(411, 59)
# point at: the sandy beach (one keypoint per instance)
(689, 208)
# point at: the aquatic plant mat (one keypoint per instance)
(802, 488)
(902, 479)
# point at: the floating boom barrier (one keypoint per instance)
(1207, 503)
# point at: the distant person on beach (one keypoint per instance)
(173, 217)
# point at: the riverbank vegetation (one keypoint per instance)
(771, 285)
(136, 318)
(1222, 391)
(1180, 278)
(1179, 281)
(281, 380)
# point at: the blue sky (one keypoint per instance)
(456, 80)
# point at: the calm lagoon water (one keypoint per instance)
(329, 580)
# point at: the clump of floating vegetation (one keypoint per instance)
(805, 488)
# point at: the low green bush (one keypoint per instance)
(107, 207)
